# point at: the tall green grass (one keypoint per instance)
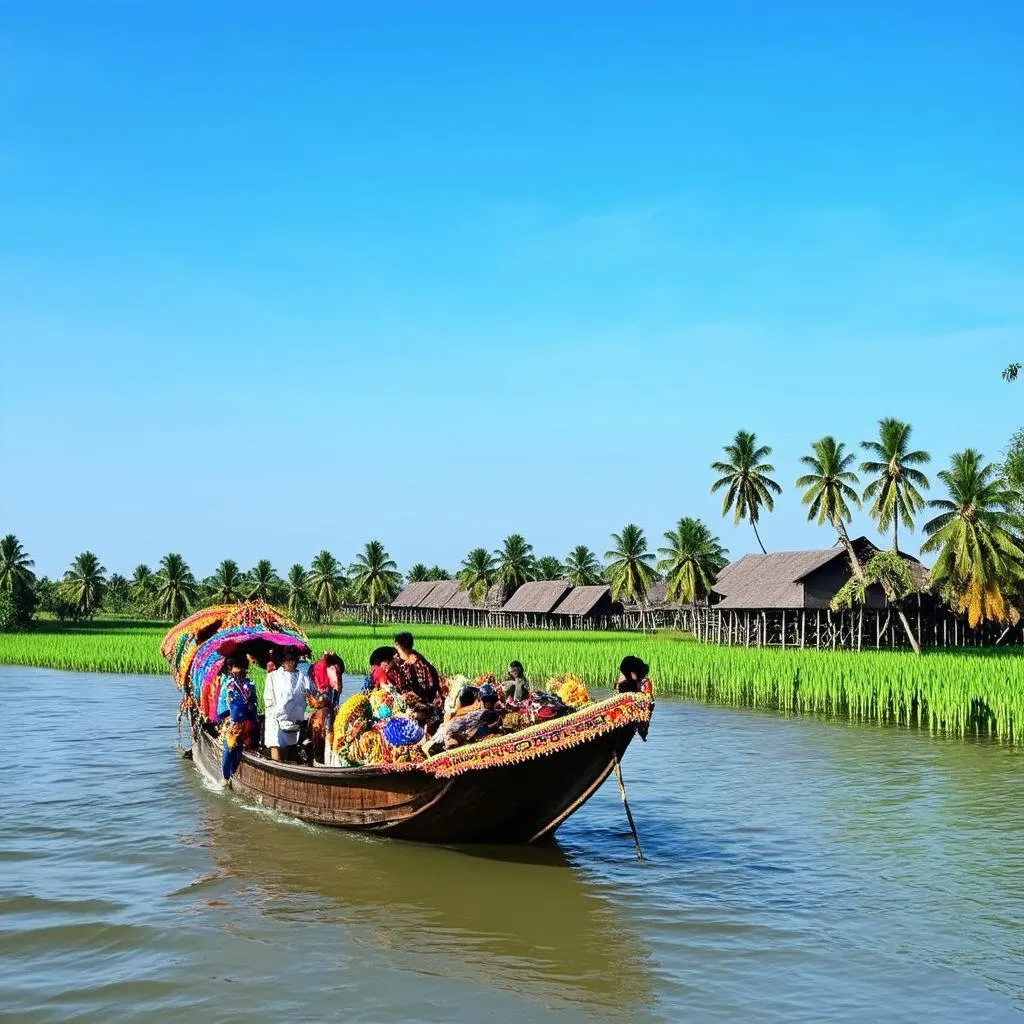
(958, 692)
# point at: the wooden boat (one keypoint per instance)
(516, 788)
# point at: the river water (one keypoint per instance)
(797, 870)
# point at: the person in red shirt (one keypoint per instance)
(416, 679)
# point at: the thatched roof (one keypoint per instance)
(540, 597)
(461, 601)
(655, 596)
(777, 580)
(582, 600)
(414, 594)
(442, 593)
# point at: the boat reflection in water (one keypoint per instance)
(522, 919)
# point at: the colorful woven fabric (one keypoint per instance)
(402, 732)
(208, 659)
(179, 645)
(549, 737)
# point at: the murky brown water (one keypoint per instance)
(798, 870)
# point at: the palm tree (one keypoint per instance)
(829, 492)
(435, 574)
(298, 591)
(375, 577)
(175, 587)
(979, 560)
(84, 584)
(417, 574)
(894, 490)
(745, 478)
(630, 570)
(119, 593)
(691, 562)
(263, 580)
(516, 564)
(829, 489)
(143, 588)
(549, 568)
(15, 565)
(326, 581)
(477, 574)
(227, 582)
(581, 567)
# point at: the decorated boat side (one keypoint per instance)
(513, 787)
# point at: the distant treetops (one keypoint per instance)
(976, 534)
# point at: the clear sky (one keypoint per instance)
(279, 277)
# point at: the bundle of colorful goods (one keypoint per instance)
(402, 732)
(570, 690)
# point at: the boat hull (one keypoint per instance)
(520, 802)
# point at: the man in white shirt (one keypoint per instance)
(284, 699)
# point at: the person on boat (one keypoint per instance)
(633, 673)
(517, 686)
(380, 661)
(322, 700)
(416, 679)
(236, 711)
(284, 700)
(478, 722)
(467, 700)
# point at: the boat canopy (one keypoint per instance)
(197, 646)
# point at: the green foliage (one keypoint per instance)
(692, 560)
(375, 577)
(979, 562)
(297, 589)
(1011, 371)
(15, 565)
(630, 571)
(118, 596)
(549, 568)
(326, 582)
(144, 589)
(417, 574)
(435, 574)
(829, 486)
(478, 573)
(581, 568)
(228, 583)
(957, 692)
(744, 477)
(263, 582)
(516, 564)
(895, 491)
(887, 569)
(16, 607)
(84, 585)
(174, 588)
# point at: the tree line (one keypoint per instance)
(976, 531)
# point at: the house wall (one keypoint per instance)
(823, 584)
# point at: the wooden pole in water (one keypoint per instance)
(625, 803)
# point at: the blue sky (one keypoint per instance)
(457, 270)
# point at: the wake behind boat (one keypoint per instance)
(512, 787)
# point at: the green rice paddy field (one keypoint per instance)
(962, 693)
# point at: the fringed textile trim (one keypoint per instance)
(545, 738)
(224, 616)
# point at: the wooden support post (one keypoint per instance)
(803, 628)
(783, 627)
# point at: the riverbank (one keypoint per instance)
(970, 691)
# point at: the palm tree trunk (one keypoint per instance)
(896, 532)
(844, 537)
(858, 571)
(753, 523)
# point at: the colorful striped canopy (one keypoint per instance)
(191, 649)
